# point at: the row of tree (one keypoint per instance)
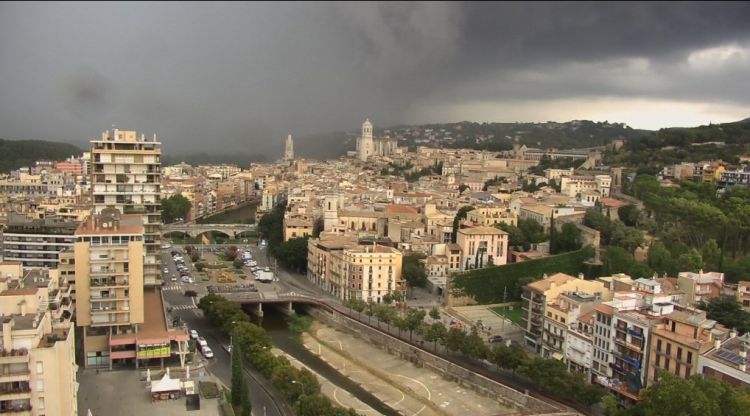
(299, 386)
(550, 375)
(176, 206)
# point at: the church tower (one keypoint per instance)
(289, 148)
(366, 144)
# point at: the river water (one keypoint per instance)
(233, 216)
(276, 326)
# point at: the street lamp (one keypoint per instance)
(304, 393)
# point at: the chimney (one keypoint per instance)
(732, 333)
(717, 344)
(580, 276)
(23, 307)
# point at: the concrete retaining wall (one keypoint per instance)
(508, 396)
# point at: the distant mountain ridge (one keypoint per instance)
(481, 136)
(18, 153)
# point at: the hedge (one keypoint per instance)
(489, 285)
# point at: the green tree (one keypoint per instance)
(616, 260)
(462, 188)
(691, 260)
(199, 267)
(238, 376)
(413, 270)
(414, 319)
(293, 253)
(318, 226)
(695, 396)
(629, 215)
(568, 239)
(660, 259)
(176, 206)
(435, 332)
(473, 345)
(454, 339)
(711, 255)
(460, 216)
(727, 311)
(509, 358)
(237, 263)
(434, 313)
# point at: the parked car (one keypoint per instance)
(207, 352)
(174, 278)
(202, 342)
(193, 334)
(496, 338)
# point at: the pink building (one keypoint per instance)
(75, 168)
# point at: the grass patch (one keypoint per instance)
(513, 315)
(208, 389)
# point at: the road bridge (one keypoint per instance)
(194, 230)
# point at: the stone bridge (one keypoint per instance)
(194, 230)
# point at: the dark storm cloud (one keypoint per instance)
(239, 76)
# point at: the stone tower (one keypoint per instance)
(289, 148)
(330, 211)
(366, 144)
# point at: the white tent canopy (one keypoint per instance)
(166, 384)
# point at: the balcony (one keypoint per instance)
(635, 347)
(18, 390)
(10, 375)
(16, 409)
(14, 356)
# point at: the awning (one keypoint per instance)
(165, 384)
(557, 356)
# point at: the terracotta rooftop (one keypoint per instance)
(543, 285)
(400, 209)
(19, 292)
(129, 224)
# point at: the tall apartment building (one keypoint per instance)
(37, 363)
(126, 174)
(122, 321)
(482, 246)
(37, 242)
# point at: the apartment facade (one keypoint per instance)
(370, 272)
(37, 360)
(679, 340)
(37, 242)
(126, 174)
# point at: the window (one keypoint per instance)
(40, 385)
(41, 403)
(690, 357)
(669, 348)
(39, 367)
(658, 345)
(677, 369)
(679, 353)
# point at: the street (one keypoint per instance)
(182, 308)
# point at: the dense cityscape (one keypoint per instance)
(445, 268)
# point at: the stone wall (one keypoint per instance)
(506, 395)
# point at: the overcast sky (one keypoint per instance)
(238, 76)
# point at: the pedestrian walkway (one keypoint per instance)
(183, 307)
(172, 287)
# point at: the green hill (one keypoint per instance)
(727, 141)
(18, 153)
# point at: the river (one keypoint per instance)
(239, 215)
(276, 326)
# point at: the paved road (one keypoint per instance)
(220, 364)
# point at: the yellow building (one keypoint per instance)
(122, 322)
(37, 360)
(677, 342)
(297, 226)
(491, 216)
(371, 272)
